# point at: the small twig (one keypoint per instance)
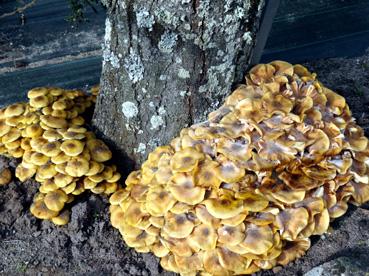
(19, 10)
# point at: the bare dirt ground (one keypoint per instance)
(89, 245)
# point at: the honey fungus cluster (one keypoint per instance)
(49, 135)
(245, 190)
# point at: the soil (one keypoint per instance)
(89, 245)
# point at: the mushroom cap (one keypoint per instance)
(190, 264)
(39, 159)
(159, 201)
(203, 237)
(40, 210)
(53, 122)
(62, 219)
(98, 150)
(39, 101)
(77, 167)
(4, 128)
(259, 239)
(11, 136)
(34, 130)
(224, 207)
(46, 171)
(294, 249)
(134, 213)
(205, 175)
(23, 173)
(186, 160)
(51, 149)
(55, 200)
(184, 190)
(14, 110)
(212, 263)
(292, 221)
(232, 261)
(231, 235)
(72, 147)
(5, 176)
(229, 172)
(177, 225)
(252, 202)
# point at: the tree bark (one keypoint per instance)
(167, 64)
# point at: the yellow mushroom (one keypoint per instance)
(178, 225)
(77, 167)
(203, 237)
(72, 147)
(185, 160)
(98, 150)
(40, 210)
(224, 207)
(55, 200)
(184, 190)
(159, 201)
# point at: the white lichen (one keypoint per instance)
(107, 36)
(168, 41)
(162, 110)
(108, 55)
(129, 110)
(247, 37)
(144, 19)
(134, 67)
(156, 122)
(141, 148)
(183, 73)
(114, 60)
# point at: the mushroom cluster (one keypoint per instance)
(246, 189)
(49, 136)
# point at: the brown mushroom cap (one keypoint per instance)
(292, 221)
(5, 176)
(98, 150)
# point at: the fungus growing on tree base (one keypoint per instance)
(246, 189)
(62, 155)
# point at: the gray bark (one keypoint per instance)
(167, 64)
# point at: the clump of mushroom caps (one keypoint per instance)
(49, 136)
(246, 189)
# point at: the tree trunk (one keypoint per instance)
(167, 64)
